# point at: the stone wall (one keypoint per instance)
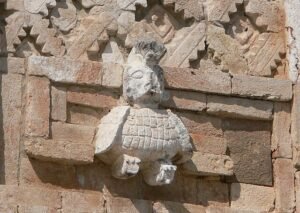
(231, 70)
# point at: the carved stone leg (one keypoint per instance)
(159, 173)
(125, 167)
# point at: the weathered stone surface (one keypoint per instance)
(184, 47)
(209, 144)
(91, 3)
(202, 124)
(14, 5)
(204, 164)
(66, 71)
(210, 81)
(60, 151)
(11, 103)
(72, 132)
(82, 201)
(221, 44)
(64, 16)
(12, 65)
(265, 88)
(98, 26)
(58, 103)
(112, 75)
(291, 9)
(115, 204)
(295, 116)
(281, 136)
(191, 9)
(266, 14)
(185, 100)
(252, 198)
(172, 207)
(37, 107)
(250, 149)
(239, 108)
(269, 46)
(39, 6)
(92, 98)
(220, 11)
(284, 185)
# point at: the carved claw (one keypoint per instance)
(125, 167)
(159, 173)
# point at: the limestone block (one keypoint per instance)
(259, 87)
(202, 124)
(204, 164)
(246, 197)
(72, 132)
(254, 167)
(112, 53)
(284, 185)
(295, 116)
(30, 196)
(126, 22)
(115, 204)
(66, 71)
(239, 108)
(37, 107)
(112, 75)
(82, 201)
(60, 151)
(12, 65)
(210, 81)
(64, 16)
(297, 190)
(58, 103)
(209, 144)
(85, 115)
(170, 207)
(39, 6)
(92, 98)
(185, 100)
(11, 118)
(281, 137)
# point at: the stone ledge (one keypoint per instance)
(100, 74)
(60, 151)
(239, 108)
(204, 164)
(12, 65)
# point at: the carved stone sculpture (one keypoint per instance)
(139, 136)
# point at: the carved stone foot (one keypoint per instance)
(159, 173)
(125, 167)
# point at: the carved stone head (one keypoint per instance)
(143, 81)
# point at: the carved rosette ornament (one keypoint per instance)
(139, 136)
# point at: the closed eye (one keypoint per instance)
(137, 74)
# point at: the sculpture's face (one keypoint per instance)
(143, 85)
